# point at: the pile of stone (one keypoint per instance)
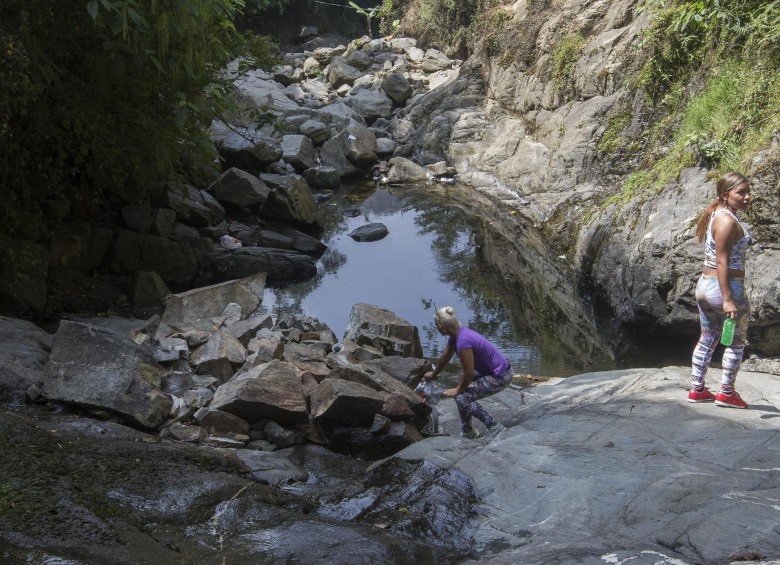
(212, 370)
(330, 111)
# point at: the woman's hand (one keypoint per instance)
(729, 308)
(429, 376)
(450, 393)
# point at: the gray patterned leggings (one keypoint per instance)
(480, 387)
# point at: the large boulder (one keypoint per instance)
(291, 199)
(397, 87)
(298, 151)
(24, 352)
(405, 171)
(95, 367)
(245, 148)
(384, 330)
(281, 265)
(350, 152)
(239, 188)
(346, 402)
(272, 391)
(220, 356)
(371, 104)
(210, 301)
(340, 72)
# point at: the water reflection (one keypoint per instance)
(431, 258)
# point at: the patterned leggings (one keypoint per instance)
(480, 387)
(710, 302)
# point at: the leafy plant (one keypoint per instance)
(564, 63)
(381, 11)
(107, 96)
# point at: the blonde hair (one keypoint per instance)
(446, 318)
(727, 182)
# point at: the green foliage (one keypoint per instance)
(448, 21)
(107, 96)
(495, 27)
(381, 11)
(564, 63)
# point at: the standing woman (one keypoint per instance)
(720, 292)
(485, 372)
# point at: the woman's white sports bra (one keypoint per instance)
(737, 254)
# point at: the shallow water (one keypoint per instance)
(430, 258)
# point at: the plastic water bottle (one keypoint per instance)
(430, 391)
(728, 331)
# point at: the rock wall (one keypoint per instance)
(529, 143)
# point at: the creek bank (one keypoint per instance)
(592, 468)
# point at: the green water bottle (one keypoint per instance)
(728, 331)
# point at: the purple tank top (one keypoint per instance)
(488, 360)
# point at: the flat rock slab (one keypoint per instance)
(616, 466)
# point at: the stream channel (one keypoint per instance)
(432, 258)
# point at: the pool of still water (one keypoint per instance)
(429, 259)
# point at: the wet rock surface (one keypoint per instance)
(86, 491)
(602, 467)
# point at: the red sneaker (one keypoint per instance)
(703, 396)
(732, 400)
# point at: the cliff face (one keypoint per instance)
(525, 126)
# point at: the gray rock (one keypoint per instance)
(345, 402)
(369, 232)
(96, 368)
(163, 221)
(407, 370)
(24, 352)
(149, 292)
(210, 301)
(370, 104)
(245, 330)
(315, 130)
(397, 88)
(403, 171)
(340, 72)
(188, 204)
(280, 265)
(273, 391)
(276, 469)
(291, 199)
(219, 422)
(138, 216)
(283, 74)
(435, 60)
(384, 147)
(245, 148)
(300, 241)
(381, 328)
(361, 60)
(240, 188)
(186, 433)
(324, 55)
(298, 151)
(266, 346)
(305, 358)
(220, 356)
(311, 67)
(656, 448)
